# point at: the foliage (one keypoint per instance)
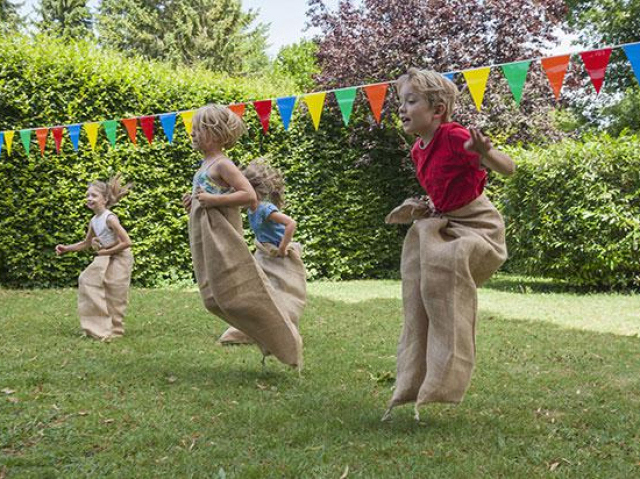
(572, 212)
(554, 393)
(217, 34)
(377, 40)
(67, 18)
(10, 18)
(298, 62)
(338, 199)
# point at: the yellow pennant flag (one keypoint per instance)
(92, 133)
(315, 102)
(8, 139)
(187, 118)
(477, 81)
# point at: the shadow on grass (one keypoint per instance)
(524, 285)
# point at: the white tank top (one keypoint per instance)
(100, 228)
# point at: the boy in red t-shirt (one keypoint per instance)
(455, 244)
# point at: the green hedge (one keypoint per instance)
(338, 199)
(573, 212)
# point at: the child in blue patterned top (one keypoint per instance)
(265, 218)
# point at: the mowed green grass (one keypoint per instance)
(555, 393)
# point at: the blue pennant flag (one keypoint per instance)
(168, 121)
(633, 54)
(449, 75)
(285, 107)
(1, 140)
(74, 134)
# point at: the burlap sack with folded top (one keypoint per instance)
(288, 278)
(444, 259)
(234, 287)
(103, 292)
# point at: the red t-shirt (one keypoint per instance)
(451, 175)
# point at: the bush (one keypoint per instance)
(573, 212)
(338, 201)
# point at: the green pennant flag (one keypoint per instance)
(345, 97)
(25, 136)
(110, 127)
(516, 75)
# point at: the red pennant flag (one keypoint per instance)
(596, 63)
(556, 69)
(57, 137)
(131, 125)
(376, 95)
(238, 108)
(146, 123)
(41, 134)
(263, 108)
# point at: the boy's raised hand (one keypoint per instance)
(478, 143)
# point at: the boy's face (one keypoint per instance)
(417, 115)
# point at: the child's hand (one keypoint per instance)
(478, 143)
(186, 202)
(206, 199)
(61, 249)
(282, 252)
(96, 244)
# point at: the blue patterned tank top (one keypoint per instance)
(202, 180)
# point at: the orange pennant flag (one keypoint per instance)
(41, 134)
(238, 108)
(187, 118)
(477, 81)
(376, 95)
(131, 124)
(556, 69)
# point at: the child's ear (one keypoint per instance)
(440, 110)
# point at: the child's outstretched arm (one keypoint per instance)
(244, 194)
(489, 156)
(289, 229)
(79, 246)
(123, 241)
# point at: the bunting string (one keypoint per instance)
(515, 72)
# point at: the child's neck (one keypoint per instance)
(212, 153)
(428, 135)
(98, 210)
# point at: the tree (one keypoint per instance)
(377, 40)
(298, 62)
(10, 18)
(67, 18)
(213, 33)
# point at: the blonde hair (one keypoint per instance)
(113, 190)
(221, 125)
(434, 87)
(267, 181)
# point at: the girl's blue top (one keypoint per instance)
(266, 231)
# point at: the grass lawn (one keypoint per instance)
(556, 391)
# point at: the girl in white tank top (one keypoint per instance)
(103, 287)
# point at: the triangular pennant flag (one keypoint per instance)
(92, 133)
(449, 76)
(556, 69)
(41, 135)
(285, 107)
(1, 141)
(25, 136)
(263, 108)
(238, 108)
(131, 124)
(376, 95)
(516, 75)
(596, 63)
(345, 98)
(315, 102)
(477, 81)
(57, 137)
(110, 127)
(633, 54)
(146, 123)
(187, 118)
(74, 135)
(168, 121)
(8, 139)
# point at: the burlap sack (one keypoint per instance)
(288, 278)
(103, 293)
(234, 287)
(444, 260)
